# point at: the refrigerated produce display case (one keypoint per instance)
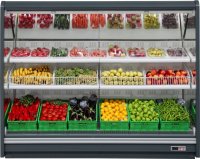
(100, 79)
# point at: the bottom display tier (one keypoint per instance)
(99, 116)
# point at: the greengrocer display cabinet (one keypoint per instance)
(133, 67)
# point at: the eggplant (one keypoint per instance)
(84, 104)
(93, 100)
(73, 102)
(85, 98)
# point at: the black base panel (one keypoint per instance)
(102, 155)
(93, 148)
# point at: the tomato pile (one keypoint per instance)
(54, 111)
(44, 20)
(8, 20)
(164, 77)
(21, 52)
(6, 51)
(6, 102)
(97, 20)
(80, 21)
(40, 52)
(78, 52)
(24, 109)
(26, 21)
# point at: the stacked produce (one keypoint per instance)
(59, 52)
(44, 20)
(155, 52)
(136, 52)
(176, 52)
(6, 51)
(191, 21)
(21, 52)
(133, 21)
(167, 77)
(193, 51)
(6, 103)
(78, 52)
(151, 21)
(80, 21)
(121, 77)
(40, 52)
(169, 21)
(62, 21)
(98, 53)
(83, 109)
(173, 110)
(116, 51)
(9, 21)
(75, 76)
(115, 21)
(24, 109)
(97, 21)
(114, 110)
(54, 111)
(37, 75)
(143, 110)
(26, 21)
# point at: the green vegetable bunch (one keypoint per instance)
(59, 52)
(75, 76)
(62, 21)
(143, 110)
(170, 110)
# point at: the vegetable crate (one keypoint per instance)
(22, 125)
(174, 125)
(51, 125)
(113, 125)
(84, 125)
(144, 125)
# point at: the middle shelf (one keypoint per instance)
(97, 76)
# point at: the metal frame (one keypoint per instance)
(101, 149)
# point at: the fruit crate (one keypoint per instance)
(20, 79)
(167, 75)
(174, 125)
(144, 125)
(113, 125)
(135, 75)
(51, 125)
(79, 80)
(84, 125)
(22, 125)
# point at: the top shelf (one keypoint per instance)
(123, 27)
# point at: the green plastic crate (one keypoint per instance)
(174, 125)
(84, 125)
(144, 125)
(22, 125)
(7, 112)
(51, 125)
(113, 125)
